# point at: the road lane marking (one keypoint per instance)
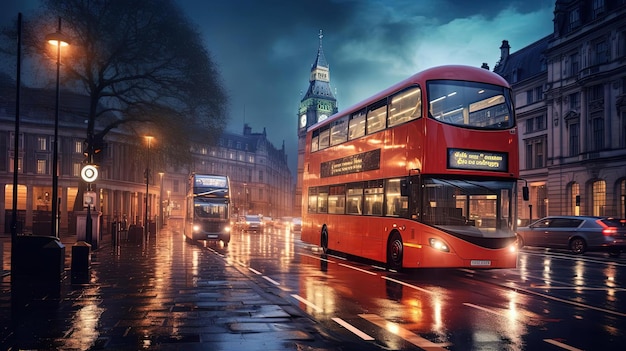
(483, 309)
(338, 257)
(255, 271)
(570, 302)
(307, 302)
(317, 257)
(407, 284)
(270, 280)
(353, 329)
(405, 334)
(357, 269)
(561, 345)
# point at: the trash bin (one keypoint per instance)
(135, 234)
(39, 256)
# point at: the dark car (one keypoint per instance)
(252, 224)
(577, 233)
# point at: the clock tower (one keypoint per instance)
(317, 104)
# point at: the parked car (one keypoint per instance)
(252, 224)
(577, 233)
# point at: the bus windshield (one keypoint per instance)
(472, 208)
(210, 209)
(470, 104)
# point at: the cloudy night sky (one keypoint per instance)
(265, 49)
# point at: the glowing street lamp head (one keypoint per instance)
(56, 38)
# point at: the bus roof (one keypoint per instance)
(452, 72)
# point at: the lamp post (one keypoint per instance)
(160, 219)
(58, 39)
(145, 218)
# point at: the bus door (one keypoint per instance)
(411, 187)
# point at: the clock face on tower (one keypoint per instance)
(322, 117)
(302, 121)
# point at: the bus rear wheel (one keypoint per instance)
(395, 251)
(324, 239)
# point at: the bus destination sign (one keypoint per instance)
(478, 160)
(362, 162)
(206, 181)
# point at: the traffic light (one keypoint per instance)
(95, 150)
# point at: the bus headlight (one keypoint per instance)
(438, 244)
(196, 228)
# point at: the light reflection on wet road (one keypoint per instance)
(552, 301)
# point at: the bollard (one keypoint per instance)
(81, 262)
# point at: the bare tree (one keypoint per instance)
(140, 61)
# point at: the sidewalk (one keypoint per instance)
(164, 294)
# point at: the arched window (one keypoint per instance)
(599, 197)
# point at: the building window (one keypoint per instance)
(574, 65)
(538, 93)
(260, 176)
(539, 154)
(603, 54)
(76, 167)
(530, 125)
(20, 168)
(78, 147)
(599, 197)
(574, 199)
(598, 8)
(574, 19)
(42, 143)
(574, 101)
(535, 153)
(250, 159)
(20, 142)
(597, 130)
(574, 139)
(41, 166)
(529, 96)
(541, 122)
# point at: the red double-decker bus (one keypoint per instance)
(422, 174)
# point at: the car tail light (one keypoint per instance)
(606, 230)
(609, 231)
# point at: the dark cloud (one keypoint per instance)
(265, 49)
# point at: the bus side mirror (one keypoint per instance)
(525, 194)
(404, 187)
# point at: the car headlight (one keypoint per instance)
(439, 244)
(196, 228)
(227, 229)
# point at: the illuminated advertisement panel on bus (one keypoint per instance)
(362, 162)
(477, 160)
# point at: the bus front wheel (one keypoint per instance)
(395, 251)
(324, 240)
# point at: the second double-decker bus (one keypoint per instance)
(208, 208)
(422, 174)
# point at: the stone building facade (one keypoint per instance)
(570, 96)
(260, 178)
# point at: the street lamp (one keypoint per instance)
(145, 218)
(58, 39)
(160, 219)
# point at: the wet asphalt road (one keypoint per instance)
(269, 291)
(162, 294)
